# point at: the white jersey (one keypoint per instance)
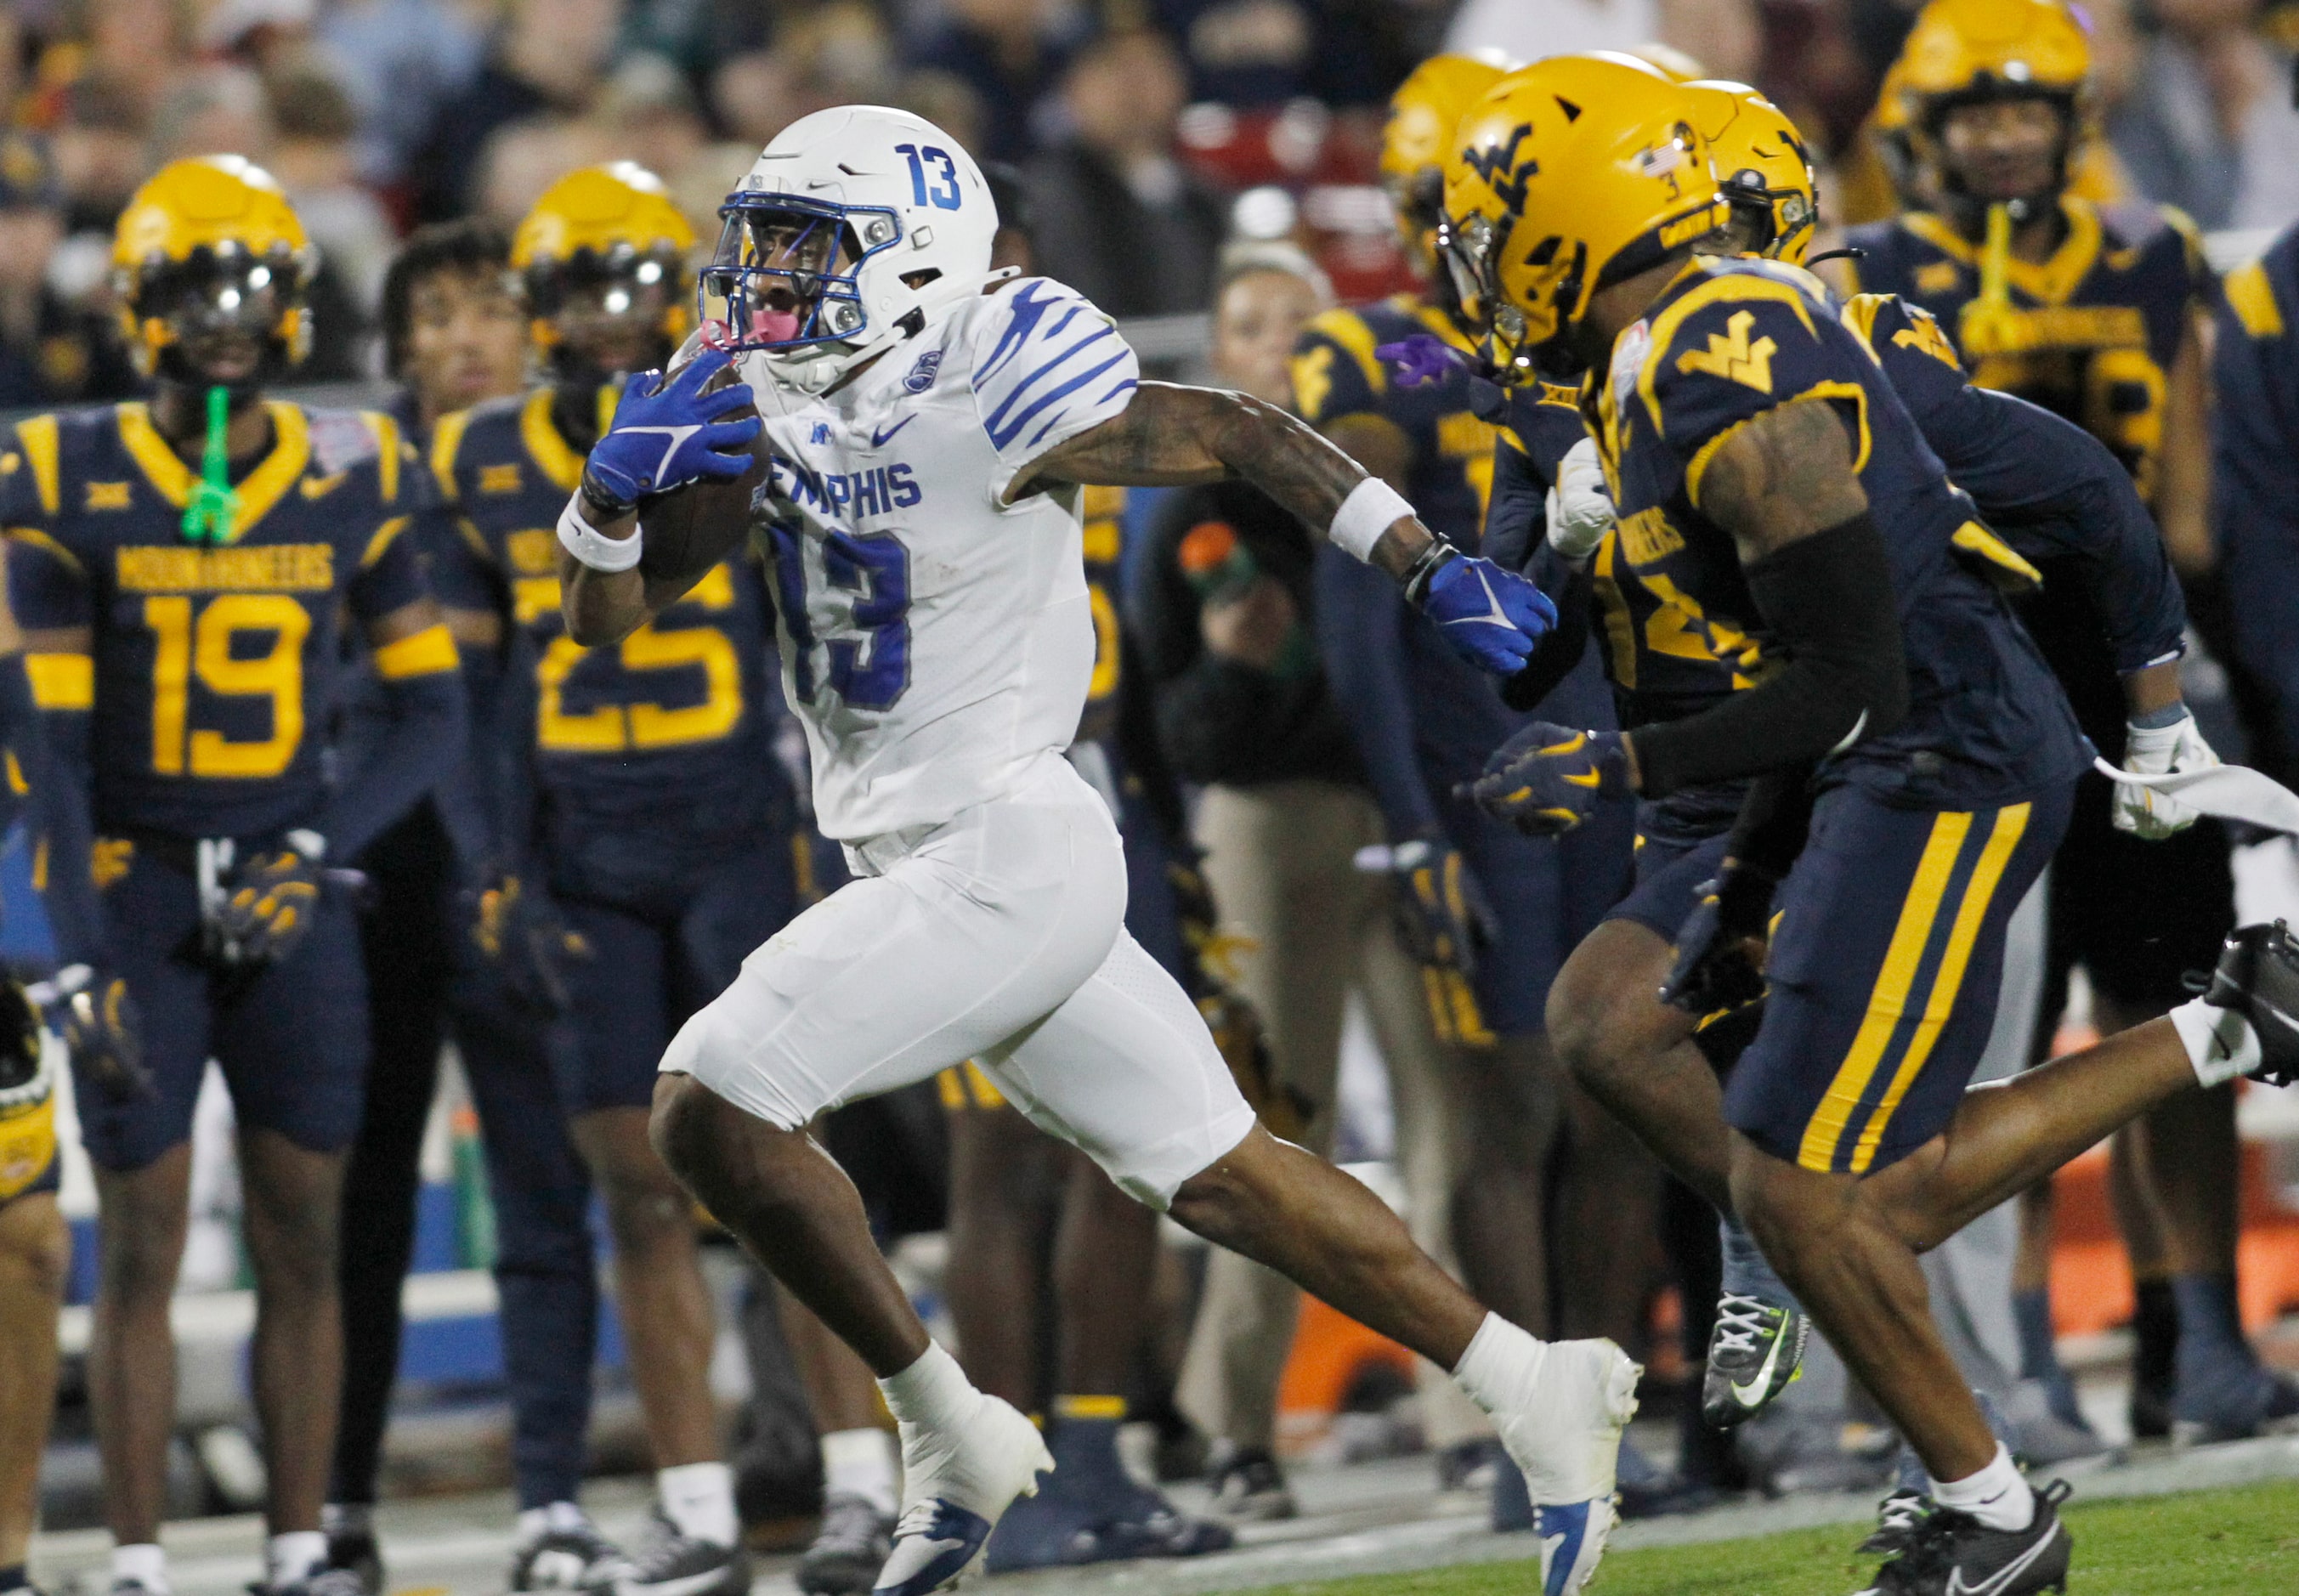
(935, 640)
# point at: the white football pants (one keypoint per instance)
(997, 936)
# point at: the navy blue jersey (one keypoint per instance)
(2088, 334)
(649, 754)
(2058, 496)
(1729, 340)
(2255, 470)
(212, 669)
(1336, 374)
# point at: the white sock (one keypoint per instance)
(860, 1463)
(144, 1563)
(1999, 1495)
(1501, 1361)
(293, 1558)
(2220, 1042)
(699, 1498)
(932, 1392)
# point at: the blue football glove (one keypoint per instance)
(1548, 778)
(1491, 616)
(1719, 952)
(668, 434)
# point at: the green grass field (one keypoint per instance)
(2240, 1542)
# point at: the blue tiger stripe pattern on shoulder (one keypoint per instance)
(1054, 346)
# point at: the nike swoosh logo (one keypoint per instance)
(1593, 779)
(1752, 1392)
(878, 439)
(2003, 1577)
(319, 486)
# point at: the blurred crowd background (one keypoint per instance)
(1148, 131)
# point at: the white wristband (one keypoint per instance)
(1372, 508)
(592, 547)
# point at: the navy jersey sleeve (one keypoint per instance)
(390, 574)
(1536, 428)
(1335, 371)
(1359, 619)
(2050, 489)
(2255, 470)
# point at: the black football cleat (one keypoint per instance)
(2258, 978)
(1944, 1552)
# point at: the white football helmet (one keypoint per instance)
(852, 229)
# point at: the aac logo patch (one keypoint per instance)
(923, 373)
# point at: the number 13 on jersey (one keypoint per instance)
(867, 659)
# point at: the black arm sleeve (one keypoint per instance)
(1828, 603)
(1769, 832)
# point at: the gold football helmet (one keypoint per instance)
(605, 245)
(1969, 52)
(1417, 138)
(1767, 173)
(207, 245)
(1570, 175)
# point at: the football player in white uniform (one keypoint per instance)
(910, 434)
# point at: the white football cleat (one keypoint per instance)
(1563, 1430)
(957, 1483)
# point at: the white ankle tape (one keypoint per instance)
(2220, 1042)
(592, 547)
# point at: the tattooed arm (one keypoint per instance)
(1781, 477)
(1174, 435)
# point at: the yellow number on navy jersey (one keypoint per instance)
(200, 647)
(645, 727)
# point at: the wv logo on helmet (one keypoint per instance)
(1498, 165)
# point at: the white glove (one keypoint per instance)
(1580, 507)
(2152, 752)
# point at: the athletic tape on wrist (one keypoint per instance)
(1372, 508)
(592, 547)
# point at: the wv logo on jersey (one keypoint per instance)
(1731, 356)
(1499, 167)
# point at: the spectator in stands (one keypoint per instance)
(1725, 36)
(1010, 53)
(99, 151)
(218, 110)
(52, 351)
(651, 110)
(2209, 123)
(1118, 217)
(315, 159)
(402, 59)
(1266, 52)
(550, 58)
